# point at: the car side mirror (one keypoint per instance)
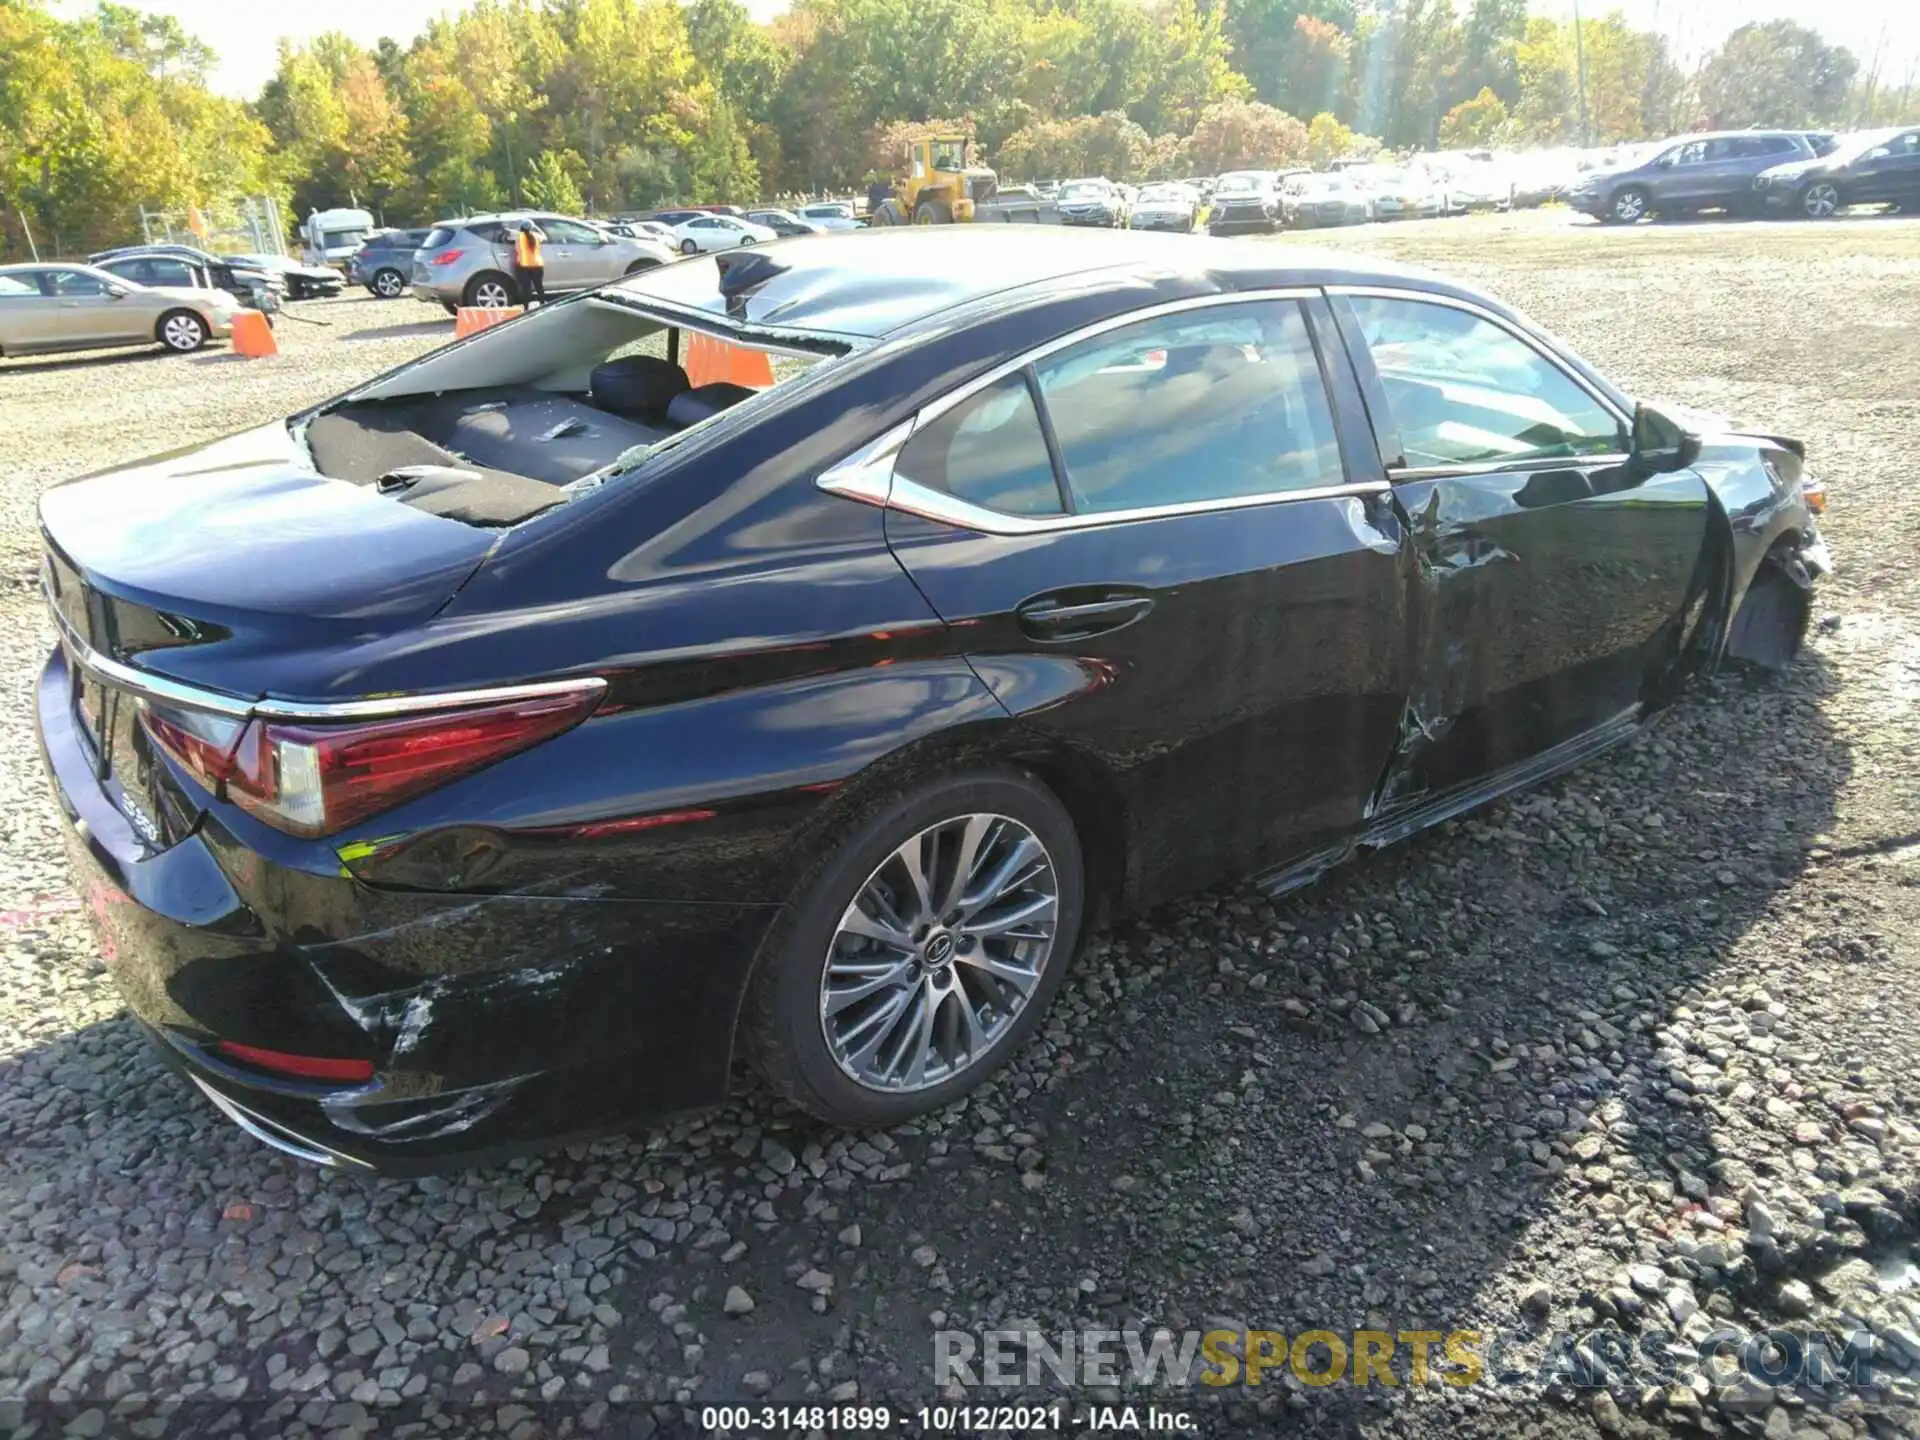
(1660, 443)
(1665, 162)
(116, 292)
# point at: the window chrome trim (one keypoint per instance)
(1409, 474)
(868, 473)
(149, 686)
(914, 498)
(1430, 297)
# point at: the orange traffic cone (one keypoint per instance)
(252, 335)
(471, 318)
(709, 359)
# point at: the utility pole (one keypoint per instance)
(1580, 71)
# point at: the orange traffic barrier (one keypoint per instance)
(252, 335)
(469, 318)
(709, 359)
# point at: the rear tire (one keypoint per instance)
(490, 290)
(181, 331)
(1021, 826)
(389, 284)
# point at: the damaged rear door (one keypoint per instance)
(1552, 572)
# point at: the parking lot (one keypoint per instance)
(1544, 1068)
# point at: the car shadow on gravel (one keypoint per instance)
(442, 325)
(86, 360)
(1352, 1108)
(1349, 1108)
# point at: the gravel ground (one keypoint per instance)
(1631, 1052)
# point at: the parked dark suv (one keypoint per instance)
(384, 264)
(1875, 167)
(1688, 173)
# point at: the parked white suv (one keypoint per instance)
(470, 261)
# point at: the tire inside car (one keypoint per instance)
(923, 953)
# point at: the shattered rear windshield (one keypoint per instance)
(582, 392)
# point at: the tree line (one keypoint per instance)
(608, 105)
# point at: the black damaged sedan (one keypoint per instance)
(507, 748)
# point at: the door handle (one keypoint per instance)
(1048, 617)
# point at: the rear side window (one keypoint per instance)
(168, 272)
(1464, 391)
(436, 237)
(1202, 405)
(18, 287)
(491, 231)
(988, 451)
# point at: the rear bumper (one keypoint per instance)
(493, 1022)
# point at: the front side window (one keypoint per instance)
(989, 451)
(1201, 405)
(1465, 391)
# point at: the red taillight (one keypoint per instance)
(312, 779)
(315, 779)
(307, 1067)
(445, 257)
(201, 742)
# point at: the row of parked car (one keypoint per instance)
(1770, 173)
(1760, 172)
(175, 296)
(469, 261)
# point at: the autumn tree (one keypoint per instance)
(1473, 123)
(1246, 135)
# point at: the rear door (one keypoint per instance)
(24, 311)
(1159, 557)
(1553, 574)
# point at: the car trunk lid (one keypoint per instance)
(216, 568)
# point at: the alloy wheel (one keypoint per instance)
(387, 284)
(1820, 201)
(1629, 205)
(183, 333)
(491, 295)
(940, 950)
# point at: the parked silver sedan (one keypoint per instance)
(470, 261)
(52, 307)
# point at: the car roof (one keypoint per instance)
(866, 284)
(1728, 135)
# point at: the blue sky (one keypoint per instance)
(245, 36)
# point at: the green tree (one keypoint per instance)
(549, 183)
(1776, 72)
